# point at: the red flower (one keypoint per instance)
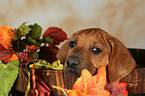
(55, 33)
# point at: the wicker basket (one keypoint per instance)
(135, 80)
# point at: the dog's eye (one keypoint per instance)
(96, 50)
(72, 44)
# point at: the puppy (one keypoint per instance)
(92, 48)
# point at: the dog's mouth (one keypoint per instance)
(77, 71)
(73, 71)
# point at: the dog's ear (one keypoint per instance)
(62, 53)
(121, 61)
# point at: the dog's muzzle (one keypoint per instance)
(73, 61)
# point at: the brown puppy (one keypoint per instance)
(92, 48)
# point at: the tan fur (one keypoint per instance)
(114, 54)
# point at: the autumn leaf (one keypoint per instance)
(21, 31)
(31, 48)
(36, 86)
(6, 36)
(88, 85)
(55, 33)
(56, 65)
(13, 57)
(8, 55)
(23, 56)
(2, 47)
(32, 51)
(117, 89)
(48, 52)
(5, 54)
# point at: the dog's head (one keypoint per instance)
(92, 48)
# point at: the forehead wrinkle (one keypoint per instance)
(90, 36)
(87, 34)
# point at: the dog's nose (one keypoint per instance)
(73, 62)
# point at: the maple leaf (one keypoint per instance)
(6, 35)
(55, 33)
(88, 85)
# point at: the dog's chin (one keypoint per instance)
(72, 71)
(77, 72)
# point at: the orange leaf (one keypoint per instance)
(8, 55)
(32, 48)
(6, 36)
(14, 57)
(91, 85)
(33, 77)
(88, 85)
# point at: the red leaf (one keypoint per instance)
(40, 81)
(55, 33)
(48, 53)
(41, 88)
(8, 55)
(23, 56)
(117, 89)
(38, 84)
(2, 47)
(5, 54)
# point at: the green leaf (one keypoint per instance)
(17, 35)
(40, 41)
(8, 75)
(21, 31)
(30, 40)
(48, 40)
(33, 55)
(42, 65)
(35, 33)
(24, 29)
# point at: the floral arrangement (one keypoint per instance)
(25, 44)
